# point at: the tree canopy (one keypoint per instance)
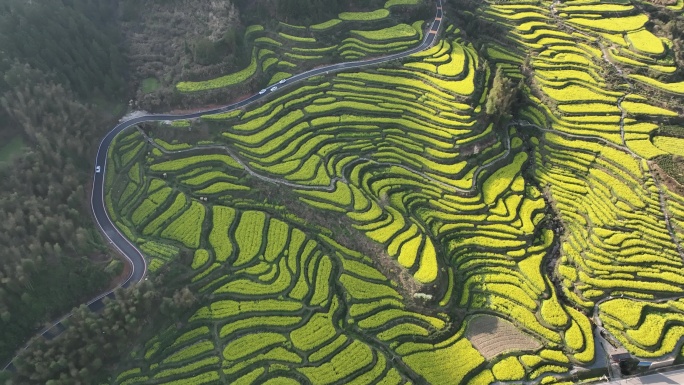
(56, 57)
(502, 96)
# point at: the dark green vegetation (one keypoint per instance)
(73, 43)
(149, 85)
(91, 342)
(670, 139)
(53, 258)
(304, 12)
(55, 55)
(11, 149)
(77, 358)
(596, 91)
(503, 97)
(58, 58)
(178, 41)
(465, 215)
(505, 183)
(325, 241)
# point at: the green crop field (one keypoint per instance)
(383, 225)
(274, 54)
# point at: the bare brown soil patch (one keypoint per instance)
(492, 336)
(666, 179)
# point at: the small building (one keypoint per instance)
(620, 357)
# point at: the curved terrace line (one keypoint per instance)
(470, 191)
(132, 254)
(135, 257)
(623, 115)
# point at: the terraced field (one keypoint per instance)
(277, 55)
(377, 226)
(592, 155)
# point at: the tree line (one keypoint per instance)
(56, 56)
(94, 343)
(52, 257)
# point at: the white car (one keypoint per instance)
(97, 169)
(274, 88)
(262, 91)
(282, 81)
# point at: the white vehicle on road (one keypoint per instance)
(282, 81)
(97, 169)
(274, 88)
(262, 91)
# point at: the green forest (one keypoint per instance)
(62, 72)
(484, 192)
(66, 76)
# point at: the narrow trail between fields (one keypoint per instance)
(467, 192)
(623, 115)
(624, 147)
(131, 253)
(136, 259)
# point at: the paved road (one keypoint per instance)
(665, 378)
(134, 256)
(118, 240)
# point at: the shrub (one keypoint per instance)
(297, 38)
(351, 359)
(427, 271)
(675, 88)
(261, 322)
(502, 178)
(446, 364)
(192, 161)
(175, 208)
(221, 187)
(325, 25)
(188, 368)
(204, 378)
(612, 24)
(393, 3)
(190, 352)
(552, 312)
(149, 205)
(224, 115)
(322, 281)
(249, 287)
(159, 250)
(646, 42)
(361, 289)
(316, 332)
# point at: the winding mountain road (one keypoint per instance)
(133, 255)
(135, 258)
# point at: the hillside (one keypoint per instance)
(499, 200)
(62, 73)
(173, 41)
